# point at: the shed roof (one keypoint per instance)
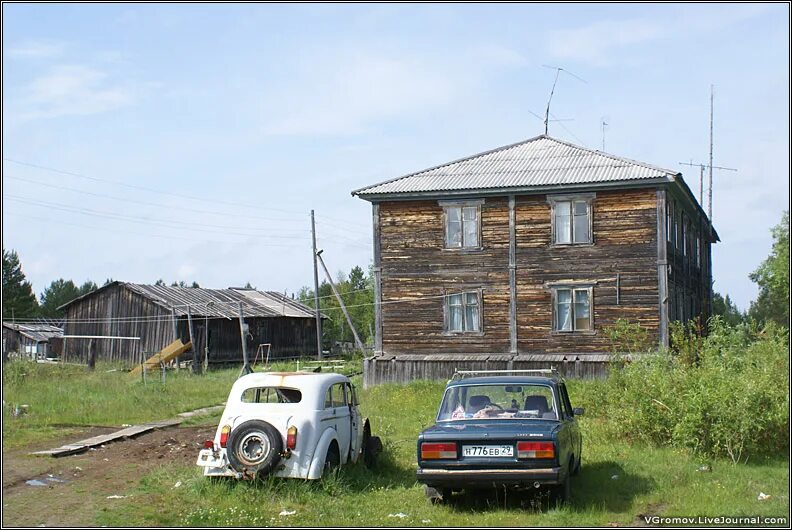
(537, 162)
(222, 303)
(35, 332)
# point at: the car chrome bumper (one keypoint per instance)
(486, 477)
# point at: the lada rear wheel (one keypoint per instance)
(254, 447)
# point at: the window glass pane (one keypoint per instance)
(328, 398)
(563, 222)
(338, 395)
(563, 309)
(581, 208)
(582, 316)
(472, 318)
(469, 213)
(471, 298)
(454, 213)
(454, 234)
(470, 233)
(455, 314)
(582, 229)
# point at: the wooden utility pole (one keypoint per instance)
(175, 332)
(196, 359)
(712, 108)
(243, 334)
(316, 291)
(358, 342)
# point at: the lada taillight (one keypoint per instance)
(291, 437)
(224, 435)
(535, 450)
(208, 444)
(437, 451)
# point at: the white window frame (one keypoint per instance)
(447, 312)
(589, 289)
(554, 200)
(461, 205)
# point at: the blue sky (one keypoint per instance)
(191, 141)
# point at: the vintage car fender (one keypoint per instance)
(318, 461)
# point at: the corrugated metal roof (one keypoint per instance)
(223, 303)
(35, 332)
(537, 162)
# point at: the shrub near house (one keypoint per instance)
(725, 398)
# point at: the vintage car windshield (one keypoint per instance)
(271, 394)
(498, 402)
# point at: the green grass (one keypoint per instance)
(63, 396)
(651, 481)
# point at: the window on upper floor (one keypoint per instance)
(463, 312)
(572, 309)
(571, 218)
(462, 224)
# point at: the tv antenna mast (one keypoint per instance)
(603, 124)
(708, 166)
(558, 70)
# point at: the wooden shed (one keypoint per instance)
(29, 340)
(152, 316)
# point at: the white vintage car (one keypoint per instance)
(288, 424)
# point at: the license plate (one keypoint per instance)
(488, 450)
(208, 458)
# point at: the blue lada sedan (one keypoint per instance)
(512, 428)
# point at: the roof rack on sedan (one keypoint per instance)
(461, 374)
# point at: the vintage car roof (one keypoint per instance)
(295, 379)
(504, 380)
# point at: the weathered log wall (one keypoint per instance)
(415, 265)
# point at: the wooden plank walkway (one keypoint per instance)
(129, 432)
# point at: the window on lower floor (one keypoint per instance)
(572, 309)
(463, 312)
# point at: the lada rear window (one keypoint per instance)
(271, 394)
(498, 402)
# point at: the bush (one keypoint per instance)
(721, 395)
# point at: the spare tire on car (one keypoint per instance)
(254, 447)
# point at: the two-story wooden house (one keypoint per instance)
(521, 256)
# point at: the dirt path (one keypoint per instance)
(70, 491)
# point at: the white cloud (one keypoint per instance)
(36, 50)
(596, 43)
(593, 43)
(70, 90)
(345, 92)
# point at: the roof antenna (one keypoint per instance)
(558, 70)
(603, 124)
(709, 166)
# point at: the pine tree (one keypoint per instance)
(18, 298)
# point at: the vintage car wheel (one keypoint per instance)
(254, 447)
(372, 446)
(332, 459)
